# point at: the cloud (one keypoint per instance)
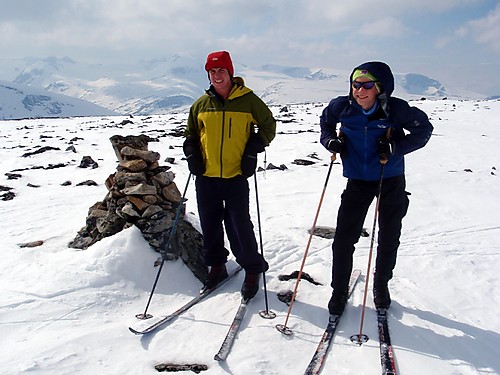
(303, 32)
(388, 27)
(483, 31)
(486, 30)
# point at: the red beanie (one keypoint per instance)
(220, 59)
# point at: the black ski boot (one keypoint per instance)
(215, 276)
(250, 285)
(337, 302)
(381, 296)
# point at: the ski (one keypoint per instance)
(386, 351)
(319, 356)
(184, 308)
(233, 331)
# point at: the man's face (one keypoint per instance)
(220, 79)
(364, 96)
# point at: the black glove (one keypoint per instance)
(335, 144)
(254, 145)
(192, 150)
(385, 148)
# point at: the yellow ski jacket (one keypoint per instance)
(224, 128)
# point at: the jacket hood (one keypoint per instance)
(383, 73)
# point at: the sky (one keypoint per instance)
(443, 39)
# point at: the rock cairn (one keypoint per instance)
(144, 194)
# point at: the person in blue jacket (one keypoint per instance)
(376, 131)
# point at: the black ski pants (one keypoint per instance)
(355, 201)
(226, 200)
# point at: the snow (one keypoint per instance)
(67, 311)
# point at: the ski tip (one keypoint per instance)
(219, 358)
(135, 332)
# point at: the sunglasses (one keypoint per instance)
(366, 85)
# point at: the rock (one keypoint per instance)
(151, 210)
(303, 162)
(13, 176)
(144, 194)
(147, 156)
(87, 183)
(140, 189)
(40, 151)
(171, 193)
(123, 179)
(32, 244)
(7, 196)
(133, 165)
(164, 178)
(137, 202)
(88, 162)
(139, 142)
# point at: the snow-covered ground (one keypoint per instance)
(67, 311)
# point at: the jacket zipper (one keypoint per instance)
(222, 139)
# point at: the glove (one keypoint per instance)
(335, 144)
(192, 150)
(254, 145)
(385, 148)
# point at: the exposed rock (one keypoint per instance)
(303, 162)
(176, 367)
(271, 166)
(87, 183)
(8, 196)
(13, 176)
(329, 232)
(295, 275)
(88, 162)
(131, 153)
(133, 165)
(40, 150)
(31, 244)
(144, 194)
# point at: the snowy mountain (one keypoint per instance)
(21, 101)
(159, 85)
(67, 311)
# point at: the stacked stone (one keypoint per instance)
(144, 194)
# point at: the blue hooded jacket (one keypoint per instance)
(408, 128)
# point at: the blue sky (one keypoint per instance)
(443, 39)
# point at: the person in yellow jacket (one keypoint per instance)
(227, 127)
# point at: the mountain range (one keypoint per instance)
(63, 87)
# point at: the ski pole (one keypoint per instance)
(361, 338)
(283, 327)
(264, 313)
(145, 315)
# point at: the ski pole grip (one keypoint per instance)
(333, 157)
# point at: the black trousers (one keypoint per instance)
(355, 201)
(226, 200)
